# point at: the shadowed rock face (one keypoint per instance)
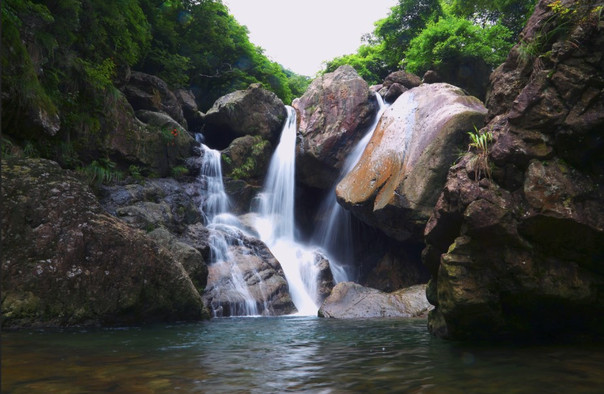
(349, 300)
(522, 254)
(333, 114)
(66, 262)
(395, 184)
(254, 111)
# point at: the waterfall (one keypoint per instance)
(276, 226)
(224, 232)
(334, 235)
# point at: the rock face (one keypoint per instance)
(66, 262)
(521, 254)
(128, 141)
(148, 92)
(396, 183)
(245, 270)
(333, 114)
(349, 300)
(255, 111)
(156, 203)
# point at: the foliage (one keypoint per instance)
(479, 163)
(101, 171)
(179, 171)
(511, 14)
(450, 40)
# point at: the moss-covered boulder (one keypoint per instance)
(65, 262)
(254, 111)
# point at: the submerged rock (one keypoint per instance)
(521, 254)
(254, 111)
(333, 115)
(349, 300)
(66, 262)
(396, 183)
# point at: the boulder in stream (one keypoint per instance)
(349, 300)
(247, 280)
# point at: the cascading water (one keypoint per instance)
(334, 235)
(224, 233)
(276, 226)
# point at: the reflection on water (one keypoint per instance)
(288, 354)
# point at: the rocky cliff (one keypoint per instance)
(521, 252)
(67, 262)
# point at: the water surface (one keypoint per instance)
(288, 354)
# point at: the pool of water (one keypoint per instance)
(288, 354)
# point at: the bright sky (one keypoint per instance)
(301, 34)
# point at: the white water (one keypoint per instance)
(224, 233)
(335, 234)
(276, 225)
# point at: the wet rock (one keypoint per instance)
(247, 158)
(519, 255)
(396, 183)
(66, 262)
(325, 282)
(246, 278)
(349, 300)
(333, 115)
(254, 111)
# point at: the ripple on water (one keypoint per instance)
(288, 354)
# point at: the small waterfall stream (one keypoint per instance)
(224, 233)
(335, 233)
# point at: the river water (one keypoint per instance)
(289, 354)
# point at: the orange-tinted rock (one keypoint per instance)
(396, 182)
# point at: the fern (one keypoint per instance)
(480, 162)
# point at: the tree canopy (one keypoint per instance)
(419, 35)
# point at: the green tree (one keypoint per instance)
(512, 14)
(451, 40)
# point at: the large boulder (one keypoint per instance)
(148, 92)
(156, 146)
(244, 277)
(350, 300)
(254, 111)
(521, 253)
(66, 262)
(333, 115)
(396, 183)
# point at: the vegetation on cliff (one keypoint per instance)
(64, 62)
(438, 34)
